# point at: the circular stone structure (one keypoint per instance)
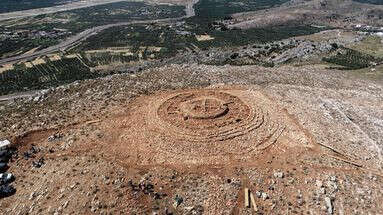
(203, 108)
(207, 116)
(202, 126)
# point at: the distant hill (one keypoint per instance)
(379, 2)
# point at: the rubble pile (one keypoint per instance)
(6, 188)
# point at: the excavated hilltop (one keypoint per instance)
(189, 139)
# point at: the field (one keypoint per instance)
(138, 40)
(79, 19)
(44, 75)
(56, 70)
(123, 45)
(11, 47)
(17, 5)
(219, 9)
(372, 45)
(173, 42)
(133, 43)
(75, 21)
(350, 59)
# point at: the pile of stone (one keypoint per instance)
(6, 189)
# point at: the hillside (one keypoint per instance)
(175, 107)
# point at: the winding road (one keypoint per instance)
(76, 39)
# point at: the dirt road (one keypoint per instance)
(8, 98)
(190, 12)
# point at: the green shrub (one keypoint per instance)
(350, 59)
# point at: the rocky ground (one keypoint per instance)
(306, 49)
(185, 135)
(335, 13)
(76, 152)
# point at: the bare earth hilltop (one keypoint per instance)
(189, 139)
(159, 107)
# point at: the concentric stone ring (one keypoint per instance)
(200, 126)
(207, 116)
(203, 108)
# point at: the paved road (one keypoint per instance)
(54, 9)
(74, 40)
